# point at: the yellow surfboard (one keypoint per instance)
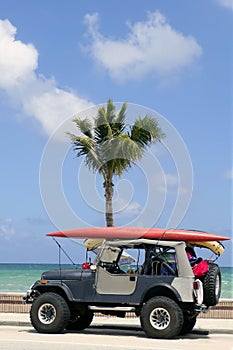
(215, 246)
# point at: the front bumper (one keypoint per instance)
(30, 295)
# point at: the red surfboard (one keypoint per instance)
(139, 232)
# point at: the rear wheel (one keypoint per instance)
(161, 317)
(212, 285)
(49, 313)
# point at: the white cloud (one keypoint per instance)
(36, 95)
(226, 3)
(123, 209)
(168, 183)
(51, 106)
(17, 60)
(164, 182)
(229, 174)
(171, 180)
(37, 221)
(152, 46)
(6, 229)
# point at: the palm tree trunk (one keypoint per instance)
(108, 203)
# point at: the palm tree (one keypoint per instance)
(110, 146)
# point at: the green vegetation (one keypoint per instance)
(110, 146)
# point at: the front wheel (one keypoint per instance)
(161, 317)
(49, 313)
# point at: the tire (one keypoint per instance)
(212, 285)
(80, 320)
(49, 313)
(188, 325)
(161, 317)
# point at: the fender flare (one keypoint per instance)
(52, 287)
(156, 289)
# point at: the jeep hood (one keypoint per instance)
(66, 274)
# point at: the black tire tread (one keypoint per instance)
(188, 325)
(82, 322)
(176, 318)
(209, 284)
(63, 313)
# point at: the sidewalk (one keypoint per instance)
(218, 326)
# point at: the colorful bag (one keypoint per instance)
(201, 268)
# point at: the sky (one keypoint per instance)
(63, 59)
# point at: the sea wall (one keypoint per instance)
(13, 303)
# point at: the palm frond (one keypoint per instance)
(85, 146)
(81, 144)
(121, 147)
(120, 165)
(101, 117)
(118, 125)
(84, 125)
(110, 112)
(94, 162)
(102, 128)
(146, 130)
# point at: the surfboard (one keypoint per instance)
(215, 246)
(139, 232)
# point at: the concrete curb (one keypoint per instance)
(212, 331)
(15, 323)
(203, 326)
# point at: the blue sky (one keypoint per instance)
(172, 59)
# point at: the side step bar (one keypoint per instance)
(112, 308)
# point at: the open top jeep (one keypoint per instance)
(159, 286)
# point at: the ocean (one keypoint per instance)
(19, 277)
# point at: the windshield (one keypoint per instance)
(148, 260)
(110, 254)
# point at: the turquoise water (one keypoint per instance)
(227, 282)
(18, 277)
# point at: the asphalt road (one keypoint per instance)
(107, 338)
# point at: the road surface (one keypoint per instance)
(107, 338)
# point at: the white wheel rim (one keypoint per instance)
(47, 313)
(160, 318)
(217, 286)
